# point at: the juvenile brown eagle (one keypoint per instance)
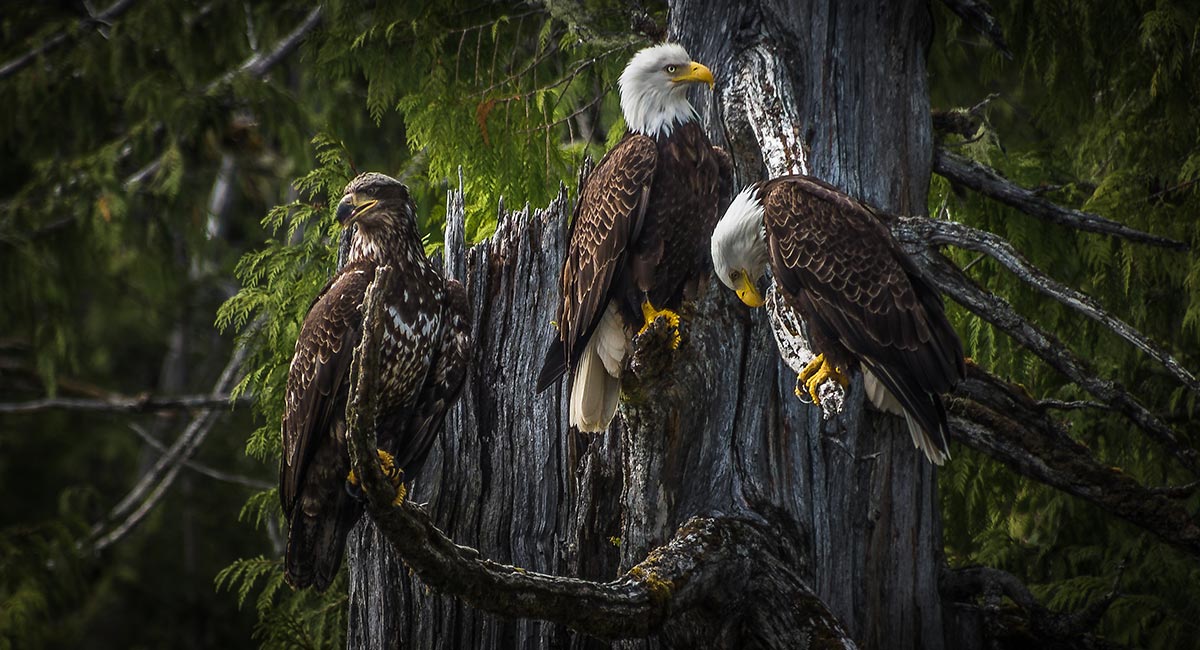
(638, 240)
(424, 350)
(836, 264)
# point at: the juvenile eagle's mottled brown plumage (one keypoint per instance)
(425, 347)
(864, 300)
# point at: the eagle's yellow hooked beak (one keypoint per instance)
(749, 293)
(695, 73)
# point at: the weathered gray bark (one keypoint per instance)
(714, 429)
(838, 90)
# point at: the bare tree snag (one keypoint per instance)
(717, 581)
(836, 90)
(837, 523)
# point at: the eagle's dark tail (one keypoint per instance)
(316, 543)
(923, 410)
(553, 367)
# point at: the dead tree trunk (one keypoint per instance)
(843, 507)
(837, 89)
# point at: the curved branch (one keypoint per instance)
(977, 14)
(957, 234)
(256, 66)
(1045, 626)
(1000, 420)
(103, 18)
(152, 486)
(697, 581)
(124, 404)
(990, 183)
(709, 563)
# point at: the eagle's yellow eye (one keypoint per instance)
(734, 275)
(671, 69)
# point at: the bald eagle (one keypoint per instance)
(638, 236)
(424, 350)
(865, 304)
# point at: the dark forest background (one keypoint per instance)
(165, 173)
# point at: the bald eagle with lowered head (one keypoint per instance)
(837, 265)
(639, 234)
(424, 350)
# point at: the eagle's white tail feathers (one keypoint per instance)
(879, 395)
(613, 342)
(885, 401)
(597, 384)
(922, 440)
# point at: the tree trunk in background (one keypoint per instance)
(836, 90)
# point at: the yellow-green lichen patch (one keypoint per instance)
(660, 588)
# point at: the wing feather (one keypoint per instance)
(840, 262)
(316, 388)
(608, 216)
(443, 383)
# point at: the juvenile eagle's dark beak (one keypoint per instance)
(348, 210)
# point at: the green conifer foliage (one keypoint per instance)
(1098, 107)
(119, 131)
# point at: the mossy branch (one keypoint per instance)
(988, 182)
(949, 232)
(952, 282)
(709, 563)
(363, 406)
(1002, 421)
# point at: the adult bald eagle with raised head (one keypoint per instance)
(424, 350)
(639, 234)
(865, 303)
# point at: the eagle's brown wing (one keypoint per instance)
(608, 217)
(858, 290)
(316, 390)
(444, 381)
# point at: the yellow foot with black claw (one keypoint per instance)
(650, 314)
(393, 473)
(801, 395)
(816, 373)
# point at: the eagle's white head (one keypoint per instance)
(654, 89)
(739, 246)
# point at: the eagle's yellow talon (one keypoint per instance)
(799, 393)
(816, 373)
(650, 314)
(395, 474)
